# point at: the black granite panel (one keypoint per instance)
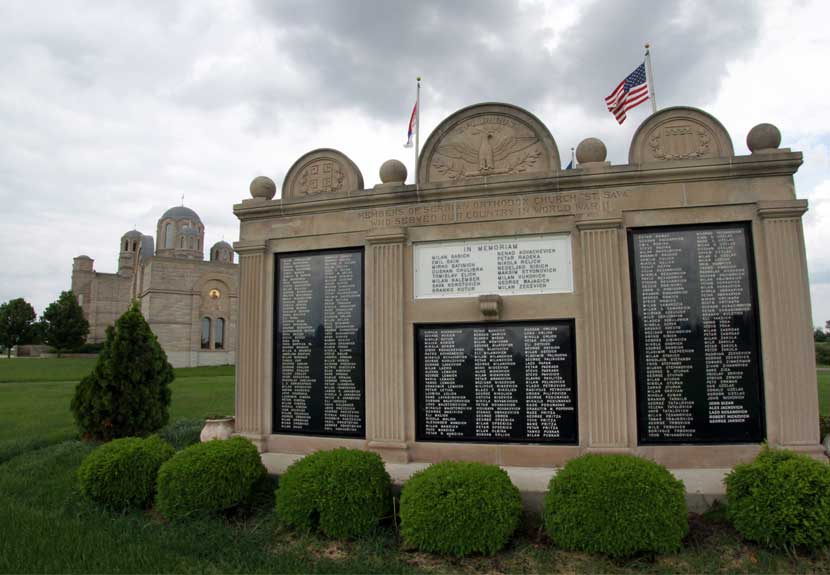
(696, 335)
(496, 382)
(319, 384)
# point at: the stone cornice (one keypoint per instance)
(387, 236)
(244, 248)
(604, 224)
(779, 164)
(783, 209)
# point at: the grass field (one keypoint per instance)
(34, 411)
(46, 526)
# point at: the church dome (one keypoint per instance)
(221, 252)
(133, 234)
(181, 213)
(180, 233)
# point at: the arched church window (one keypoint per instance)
(205, 333)
(126, 245)
(190, 243)
(219, 336)
(168, 236)
(181, 243)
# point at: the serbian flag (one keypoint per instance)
(411, 131)
(629, 93)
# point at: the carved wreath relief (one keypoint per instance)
(323, 175)
(488, 146)
(680, 142)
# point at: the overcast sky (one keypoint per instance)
(111, 111)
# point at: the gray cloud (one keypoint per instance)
(366, 54)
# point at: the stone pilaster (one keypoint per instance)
(787, 334)
(604, 352)
(385, 396)
(250, 402)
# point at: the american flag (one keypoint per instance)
(631, 92)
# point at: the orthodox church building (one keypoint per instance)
(191, 304)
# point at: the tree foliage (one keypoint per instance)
(128, 392)
(64, 325)
(16, 318)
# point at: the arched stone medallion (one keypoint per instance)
(488, 140)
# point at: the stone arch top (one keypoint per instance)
(319, 171)
(488, 140)
(679, 133)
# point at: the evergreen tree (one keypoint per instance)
(65, 327)
(16, 318)
(128, 392)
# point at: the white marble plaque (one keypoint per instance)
(506, 266)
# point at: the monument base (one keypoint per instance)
(703, 486)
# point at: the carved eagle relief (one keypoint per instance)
(488, 156)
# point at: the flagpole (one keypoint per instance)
(650, 79)
(417, 134)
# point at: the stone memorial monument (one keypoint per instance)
(512, 312)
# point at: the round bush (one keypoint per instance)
(781, 500)
(616, 505)
(344, 493)
(460, 508)
(213, 477)
(122, 474)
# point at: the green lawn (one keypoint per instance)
(46, 526)
(35, 411)
(44, 369)
(824, 393)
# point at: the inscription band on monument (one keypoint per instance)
(319, 383)
(506, 266)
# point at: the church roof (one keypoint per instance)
(181, 213)
(222, 244)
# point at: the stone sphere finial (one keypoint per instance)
(763, 137)
(393, 172)
(263, 187)
(591, 150)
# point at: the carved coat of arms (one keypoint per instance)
(680, 142)
(486, 150)
(321, 176)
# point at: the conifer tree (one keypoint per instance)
(128, 392)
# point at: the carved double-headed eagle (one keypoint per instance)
(490, 150)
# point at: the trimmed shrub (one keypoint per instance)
(343, 493)
(616, 505)
(122, 474)
(460, 508)
(128, 392)
(182, 432)
(207, 478)
(781, 500)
